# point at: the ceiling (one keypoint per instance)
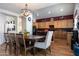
(61, 9)
(16, 7)
(41, 10)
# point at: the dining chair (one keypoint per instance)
(21, 43)
(7, 41)
(12, 39)
(46, 44)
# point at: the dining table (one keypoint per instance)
(32, 39)
(35, 38)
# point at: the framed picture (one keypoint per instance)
(8, 22)
(13, 29)
(13, 22)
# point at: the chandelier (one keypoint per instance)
(25, 12)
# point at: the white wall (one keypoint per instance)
(29, 24)
(3, 17)
(2, 22)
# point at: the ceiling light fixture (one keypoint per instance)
(25, 12)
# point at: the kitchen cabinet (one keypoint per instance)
(55, 24)
(41, 24)
(69, 38)
(70, 23)
(59, 34)
(63, 23)
(35, 24)
(58, 22)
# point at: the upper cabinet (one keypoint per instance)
(35, 24)
(42, 23)
(70, 23)
(63, 23)
(58, 22)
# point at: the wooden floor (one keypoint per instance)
(59, 48)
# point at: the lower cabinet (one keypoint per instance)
(60, 34)
(63, 35)
(69, 38)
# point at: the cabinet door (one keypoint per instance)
(64, 22)
(55, 24)
(43, 24)
(35, 24)
(52, 22)
(39, 24)
(70, 23)
(47, 24)
(60, 24)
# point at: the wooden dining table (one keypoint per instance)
(32, 39)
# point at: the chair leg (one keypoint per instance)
(10, 49)
(5, 48)
(14, 50)
(45, 52)
(17, 51)
(25, 52)
(50, 49)
(34, 51)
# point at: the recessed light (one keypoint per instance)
(37, 14)
(49, 12)
(61, 9)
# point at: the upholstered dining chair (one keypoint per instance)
(46, 44)
(7, 41)
(12, 39)
(21, 43)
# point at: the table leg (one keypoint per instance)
(34, 51)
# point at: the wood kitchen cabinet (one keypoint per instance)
(47, 24)
(41, 24)
(70, 23)
(51, 21)
(35, 24)
(59, 25)
(59, 34)
(69, 38)
(58, 22)
(63, 23)
(55, 24)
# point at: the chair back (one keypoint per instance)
(48, 38)
(6, 36)
(12, 38)
(20, 40)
